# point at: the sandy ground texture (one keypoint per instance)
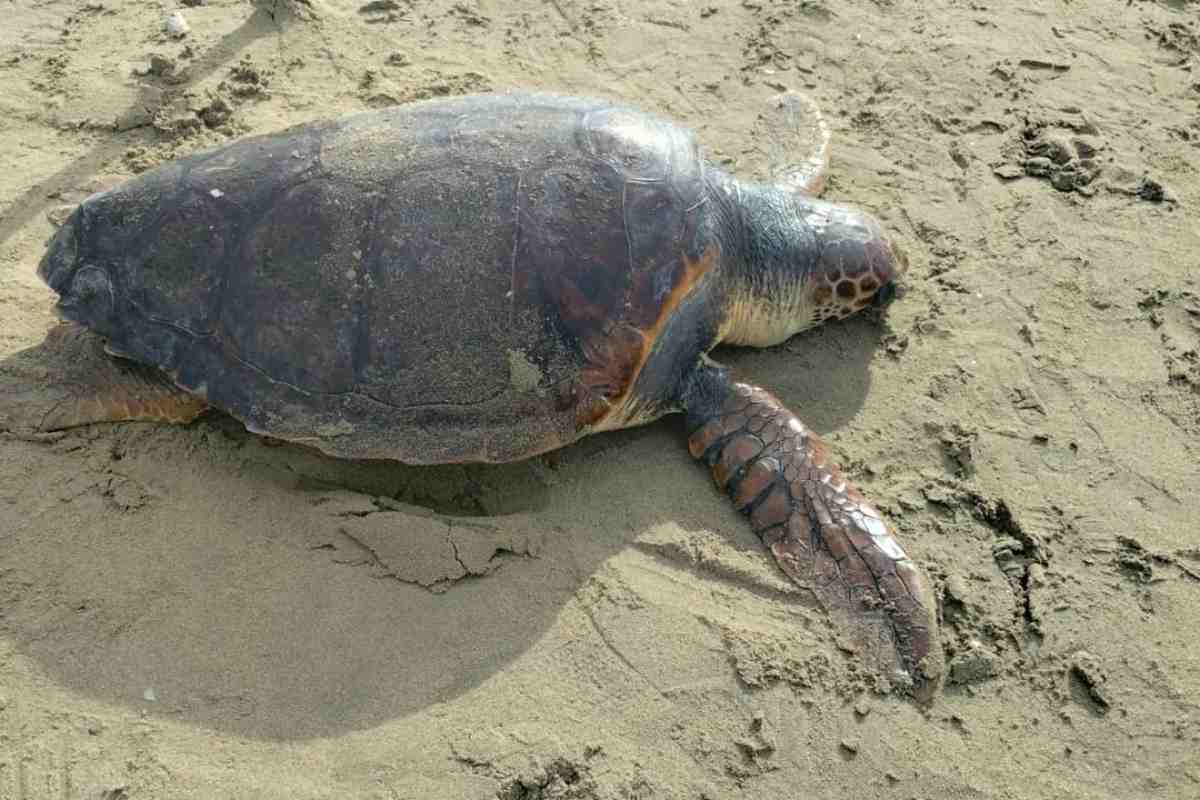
(198, 612)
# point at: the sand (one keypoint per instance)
(197, 612)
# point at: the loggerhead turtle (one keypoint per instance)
(491, 277)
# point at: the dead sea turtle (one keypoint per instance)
(488, 278)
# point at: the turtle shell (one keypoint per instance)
(475, 279)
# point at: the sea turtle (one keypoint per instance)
(487, 278)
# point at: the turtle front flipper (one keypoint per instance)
(821, 530)
(797, 143)
(70, 380)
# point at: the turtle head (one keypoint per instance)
(803, 261)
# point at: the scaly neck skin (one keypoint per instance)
(768, 252)
(792, 261)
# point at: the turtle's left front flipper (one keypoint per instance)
(821, 530)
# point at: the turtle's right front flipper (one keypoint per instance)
(821, 530)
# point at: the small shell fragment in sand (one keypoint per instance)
(177, 25)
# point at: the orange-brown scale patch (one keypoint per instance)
(612, 363)
(759, 476)
(704, 438)
(123, 406)
(736, 453)
(773, 510)
(616, 356)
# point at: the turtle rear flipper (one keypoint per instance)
(69, 380)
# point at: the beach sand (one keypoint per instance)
(198, 612)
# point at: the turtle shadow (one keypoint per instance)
(822, 375)
(209, 575)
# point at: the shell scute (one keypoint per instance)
(363, 285)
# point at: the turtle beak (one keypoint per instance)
(884, 295)
(892, 286)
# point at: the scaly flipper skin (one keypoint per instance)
(101, 388)
(821, 530)
(797, 143)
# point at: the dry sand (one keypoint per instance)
(197, 612)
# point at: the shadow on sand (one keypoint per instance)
(205, 574)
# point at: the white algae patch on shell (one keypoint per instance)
(523, 373)
(335, 429)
